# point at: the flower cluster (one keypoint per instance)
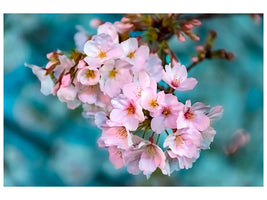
(118, 82)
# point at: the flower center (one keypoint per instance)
(154, 103)
(175, 82)
(131, 54)
(189, 115)
(150, 150)
(122, 132)
(130, 109)
(112, 73)
(90, 74)
(102, 54)
(166, 111)
(139, 92)
(179, 140)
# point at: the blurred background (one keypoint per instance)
(45, 144)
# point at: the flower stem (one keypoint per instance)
(151, 139)
(166, 132)
(158, 139)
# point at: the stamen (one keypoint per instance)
(130, 109)
(102, 54)
(122, 132)
(179, 140)
(154, 103)
(90, 74)
(175, 82)
(189, 115)
(112, 73)
(131, 54)
(166, 111)
(150, 150)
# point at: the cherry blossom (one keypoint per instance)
(47, 84)
(100, 49)
(114, 74)
(115, 156)
(145, 157)
(167, 115)
(193, 116)
(134, 54)
(88, 76)
(176, 77)
(118, 81)
(126, 112)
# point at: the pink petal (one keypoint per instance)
(129, 45)
(187, 84)
(201, 122)
(131, 123)
(215, 113)
(117, 115)
(115, 156)
(157, 124)
(115, 52)
(147, 164)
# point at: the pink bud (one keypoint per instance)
(94, 23)
(188, 26)
(196, 22)
(194, 59)
(81, 64)
(125, 20)
(199, 48)
(195, 37)
(49, 55)
(66, 80)
(180, 37)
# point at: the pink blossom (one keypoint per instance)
(207, 137)
(135, 89)
(134, 54)
(176, 77)
(114, 74)
(122, 27)
(193, 116)
(115, 156)
(88, 76)
(95, 22)
(145, 157)
(151, 100)
(69, 95)
(153, 67)
(126, 113)
(116, 136)
(167, 115)
(184, 145)
(239, 139)
(47, 84)
(80, 38)
(110, 29)
(184, 142)
(100, 49)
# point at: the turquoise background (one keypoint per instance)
(45, 144)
